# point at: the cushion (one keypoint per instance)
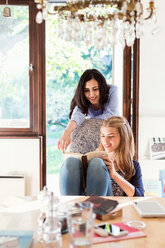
(86, 138)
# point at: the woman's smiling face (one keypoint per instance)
(91, 91)
(110, 138)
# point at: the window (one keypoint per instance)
(21, 76)
(14, 68)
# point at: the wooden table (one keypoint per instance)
(155, 227)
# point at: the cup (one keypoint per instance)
(81, 220)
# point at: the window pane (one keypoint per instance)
(14, 68)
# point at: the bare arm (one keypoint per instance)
(127, 187)
(64, 140)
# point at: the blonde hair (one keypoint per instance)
(125, 151)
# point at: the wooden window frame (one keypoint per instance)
(36, 76)
(37, 89)
(131, 96)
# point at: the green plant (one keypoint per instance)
(66, 61)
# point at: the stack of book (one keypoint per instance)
(104, 208)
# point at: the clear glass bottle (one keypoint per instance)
(52, 227)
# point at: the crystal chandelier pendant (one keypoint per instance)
(100, 23)
(39, 18)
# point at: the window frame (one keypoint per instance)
(131, 89)
(37, 88)
(36, 76)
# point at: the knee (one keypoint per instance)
(71, 164)
(97, 167)
(97, 164)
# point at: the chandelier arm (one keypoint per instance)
(50, 13)
(150, 15)
(73, 7)
(151, 8)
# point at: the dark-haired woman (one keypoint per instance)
(93, 98)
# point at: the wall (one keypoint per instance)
(152, 92)
(22, 156)
(152, 71)
(152, 81)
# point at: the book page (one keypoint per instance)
(95, 154)
(74, 155)
(90, 155)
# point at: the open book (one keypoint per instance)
(85, 158)
(88, 155)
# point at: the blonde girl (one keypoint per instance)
(117, 140)
(114, 174)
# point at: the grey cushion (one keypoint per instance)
(87, 137)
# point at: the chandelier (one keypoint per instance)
(99, 23)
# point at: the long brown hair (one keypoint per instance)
(79, 98)
(125, 151)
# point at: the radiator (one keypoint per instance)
(11, 185)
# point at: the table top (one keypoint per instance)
(155, 227)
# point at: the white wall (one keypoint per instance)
(152, 81)
(152, 92)
(22, 156)
(152, 67)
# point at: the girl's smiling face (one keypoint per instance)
(110, 138)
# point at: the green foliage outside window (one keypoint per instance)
(66, 61)
(14, 62)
